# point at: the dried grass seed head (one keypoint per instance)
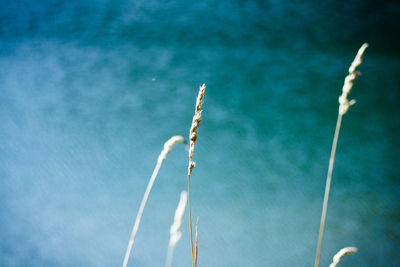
(341, 253)
(345, 104)
(195, 124)
(168, 146)
(175, 234)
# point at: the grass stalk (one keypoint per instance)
(193, 139)
(327, 188)
(167, 148)
(344, 105)
(197, 230)
(190, 221)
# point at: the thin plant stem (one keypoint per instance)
(197, 229)
(190, 220)
(170, 255)
(193, 139)
(167, 148)
(327, 188)
(344, 105)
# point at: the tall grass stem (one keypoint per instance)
(328, 188)
(193, 139)
(344, 105)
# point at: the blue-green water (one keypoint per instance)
(91, 90)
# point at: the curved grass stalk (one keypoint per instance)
(167, 148)
(341, 253)
(344, 105)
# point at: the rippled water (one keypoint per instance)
(91, 90)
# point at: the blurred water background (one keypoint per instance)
(90, 91)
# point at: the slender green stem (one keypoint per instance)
(327, 188)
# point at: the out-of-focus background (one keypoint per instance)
(90, 91)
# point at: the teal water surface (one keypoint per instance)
(91, 90)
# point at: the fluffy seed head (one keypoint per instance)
(175, 234)
(345, 104)
(168, 146)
